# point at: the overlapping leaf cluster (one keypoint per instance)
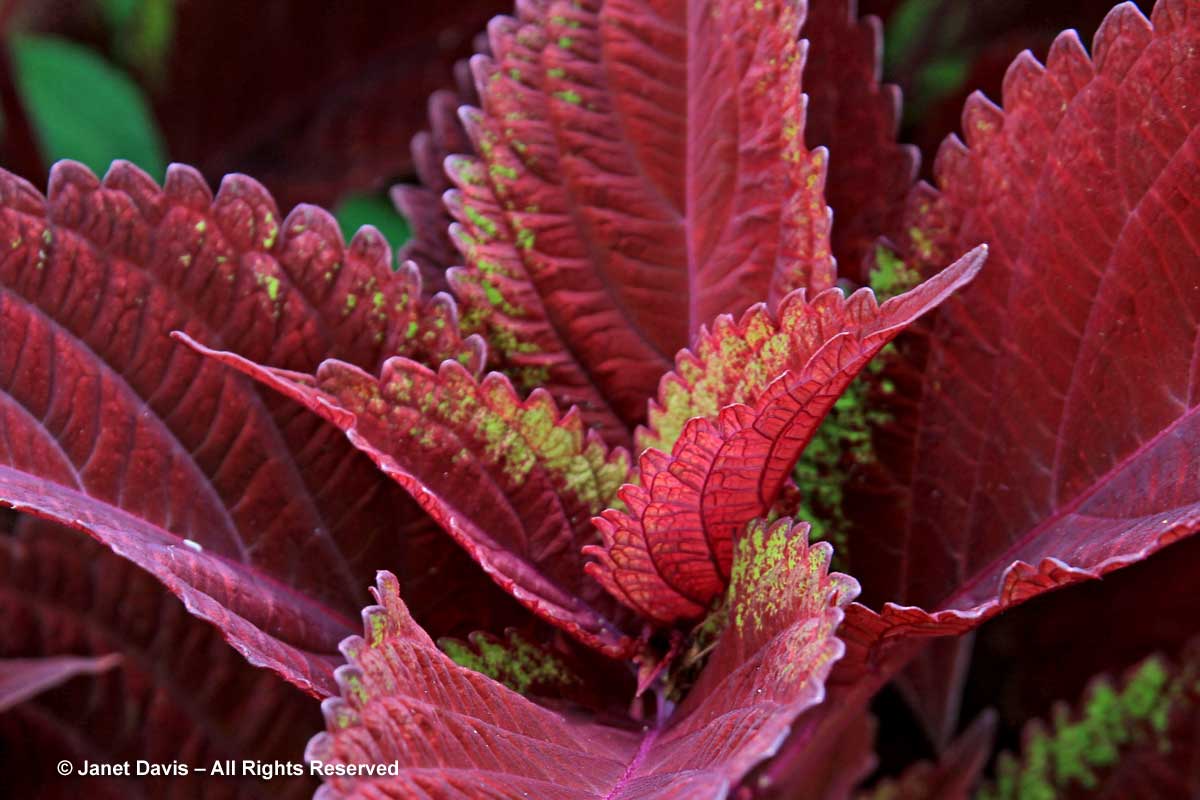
(639, 251)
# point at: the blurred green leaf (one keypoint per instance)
(81, 107)
(370, 209)
(142, 31)
(903, 31)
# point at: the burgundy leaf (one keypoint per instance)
(948, 49)
(857, 118)
(478, 739)
(1142, 602)
(1056, 435)
(24, 678)
(640, 169)
(513, 481)
(177, 694)
(259, 516)
(670, 553)
(1138, 738)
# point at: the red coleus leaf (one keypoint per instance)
(1056, 435)
(641, 168)
(457, 734)
(857, 118)
(1143, 602)
(670, 554)
(177, 692)
(261, 518)
(430, 245)
(514, 482)
(1135, 738)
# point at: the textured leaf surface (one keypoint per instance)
(857, 118)
(670, 554)
(255, 513)
(1057, 434)
(179, 691)
(478, 739)
(24, 678)
(1137, 738)
(641, 168)
(514, 482)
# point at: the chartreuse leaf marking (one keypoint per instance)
(592, 250)
(513, 661)
(513, 481)
(668, 555)
(1150, 717)
(478, 738)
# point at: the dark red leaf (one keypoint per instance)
(1055, 439)
(669, 555)
(600, 220)
(178, 693)
(315, 100)
(1142, 602)
(478, 739)
(513, 481)
(857, 118)
(335, 98)
(1139, 738)
(946, 49)
(839, 764)
(430, 245)
(259, 516)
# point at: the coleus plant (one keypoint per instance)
(590, 435)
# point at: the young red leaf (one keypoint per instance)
(177, 692)
(475, 738)
(261, 518)
(857, 118)
(1056, 435)
(1138, 738)
(641, 168)
(513, 481)
(670, 554)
